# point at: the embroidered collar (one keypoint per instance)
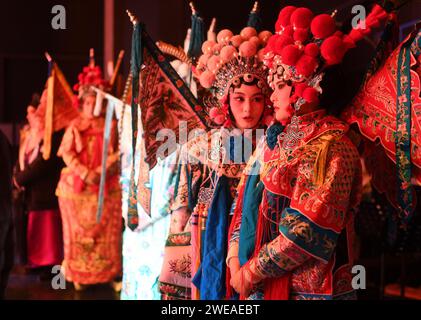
(312, 117)
(299, 128)
(306, 128)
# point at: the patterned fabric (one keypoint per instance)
(92, 251)
(197, 181)
(164, 100)
(213, 246)
(312, 238)
(174, 282)
(58, 109)
(188, 196)
(309, 192)
(403, 135)
(374, 108)
(143, 248)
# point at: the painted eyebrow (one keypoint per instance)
(243, 94)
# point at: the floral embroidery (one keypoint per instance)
(173, 292)
(266, 266)
(307, 235)
(181, 266)
(179, 239)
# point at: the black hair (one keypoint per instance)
(342, 82)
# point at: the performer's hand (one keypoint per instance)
(234, 265)
(93, 177)
(241, 282)
(16, 184)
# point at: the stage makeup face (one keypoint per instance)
(88, 106)
(281, 101)
(247, 104)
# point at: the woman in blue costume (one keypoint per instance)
(211, 164)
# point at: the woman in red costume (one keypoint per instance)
(300, 244)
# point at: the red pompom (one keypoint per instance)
(323, 26)
(310, 95)
(219, 120)
(306, 65)
(312, 50)
(288, 31)
(247, 49)
(278, 26)
(270, 45)
(288, 10)
(284, 16)
(349, 42)
(333, 50)
(299, 88)
(290, 54)
(281, 42)
(300, 35)
(301, 18)
(207, 46)
(214, 112)
(264, 36)
(206, 79)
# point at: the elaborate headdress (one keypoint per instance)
(304, 45)
(229, 62)
(91, 76)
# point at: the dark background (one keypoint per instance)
(26, 33)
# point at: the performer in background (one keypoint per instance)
(6, 222)
(92, 250)
(39, 178)
(19, 199)
(297, 243)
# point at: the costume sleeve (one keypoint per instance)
(310, 226)
(69, 150)
(38, 168)
(234, 237)
(181, 189)
(252, 168)
(187, 184)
